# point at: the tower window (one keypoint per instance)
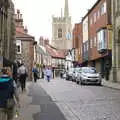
(59, 33)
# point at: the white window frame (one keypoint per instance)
(91, 42)
(98, 14)
(102, 9)
(91, 21)
(102, 38)
(19, 43)
(105, 7)
(95, 17)
(95, 41)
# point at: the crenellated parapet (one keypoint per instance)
(59, 19)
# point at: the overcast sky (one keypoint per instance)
(37, 14)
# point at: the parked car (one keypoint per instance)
(75, 73)
(88, 75)
(69, 74)
(64, 75)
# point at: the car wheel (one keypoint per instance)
(77, 82)
(100, 84)
(66, 78)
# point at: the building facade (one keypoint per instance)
(24, 45)
(78, 43)
(7, 30)
(100, 35)
(85, 30)
(96, 37)
(62, 30)
(115, 77)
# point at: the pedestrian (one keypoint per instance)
(48, 73)
(35, 73)
(107, 71)
(22, 72)
(8, 95)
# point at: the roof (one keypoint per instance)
(41, 51)
(55, 52)
(96, 3)
(23, 35)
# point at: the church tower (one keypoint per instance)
(66, 9)
(62, 30)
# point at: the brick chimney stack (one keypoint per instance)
(19, 21)
(26, 30)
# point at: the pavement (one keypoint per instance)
(37, 104)
(110, 84)
(27, 109)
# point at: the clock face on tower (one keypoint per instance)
(68, 36)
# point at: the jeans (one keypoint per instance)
(48, 78)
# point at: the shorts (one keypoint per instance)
(6, 114)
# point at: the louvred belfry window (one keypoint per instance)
(59, 33)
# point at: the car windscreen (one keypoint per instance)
(77, 69)
(89, 70)
(71, 69)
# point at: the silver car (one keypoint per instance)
(75, 73)
(88, 75)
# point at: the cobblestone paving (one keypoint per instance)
(84, 102)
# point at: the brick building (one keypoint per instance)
(78, 42)
(24, 44)
(95, 40)
(99, 35)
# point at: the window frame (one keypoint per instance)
(59, 32)
(18, 43)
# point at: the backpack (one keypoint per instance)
(6, 91)
(35, 70)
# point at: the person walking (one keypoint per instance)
(35, 74)
(48, 73)
(22, 72)
(8, 96)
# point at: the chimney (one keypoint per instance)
(18, 19)
(41, 40)
(46, 41)
(26, 30)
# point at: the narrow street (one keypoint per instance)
(64, 100)
(48, 109)
(76, 102)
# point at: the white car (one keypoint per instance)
(88, 75)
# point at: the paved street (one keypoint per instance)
(37, 105)
(83, 102)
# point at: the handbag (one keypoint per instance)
(10, 103)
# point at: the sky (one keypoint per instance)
(37, 14)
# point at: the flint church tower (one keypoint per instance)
(62, 30)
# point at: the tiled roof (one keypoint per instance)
(23, 35)
(54, 52)
(41, 51)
